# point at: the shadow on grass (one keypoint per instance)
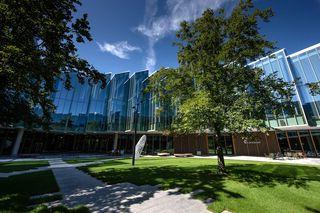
(84, 160)
(312, 209)
(256, 178)
(190, 179)
(109, 163)
(16, 190)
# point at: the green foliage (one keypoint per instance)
(249, 187)
(37, 46)
(60, 209)
(314, 88)
(45, 199)
(213, 89)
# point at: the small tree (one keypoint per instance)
(37, 45)
(213, 88)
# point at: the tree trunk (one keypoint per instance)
(221, 165)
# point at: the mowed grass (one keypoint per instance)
(21, 165)
(16, 190)
(83, 160)
(249, 186)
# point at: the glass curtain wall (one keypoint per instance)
(306, 69)
(79, 106)
(97, 107)
(277, 63)
(135, 99)
(79, 109)
(117, 103)
(144, 117)
(71, 105)
(62, 100)
(87, 107)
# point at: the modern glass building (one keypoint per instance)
(94, 119)
(278, 63)
(117, 102)
(136, 101)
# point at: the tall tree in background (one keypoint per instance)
(37, 45)
(213, 88)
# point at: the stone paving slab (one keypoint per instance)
(79, 188)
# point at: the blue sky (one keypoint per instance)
(133, 35)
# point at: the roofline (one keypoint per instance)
(304, 50)
(155, 71)
(146, 70)
(111, 78)
(268, 56)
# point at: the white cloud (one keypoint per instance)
(151, 57)
(120, 49)
(156, 27)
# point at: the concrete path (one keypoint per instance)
(80, 188)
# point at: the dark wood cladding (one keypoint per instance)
(267, 143)
(191, 144)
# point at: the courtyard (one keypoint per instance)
(159, 184)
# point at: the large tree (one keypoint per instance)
(37, 45)
(214, 89)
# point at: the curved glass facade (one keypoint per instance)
(89, 108)
(97, 108)
(117, 102)
(277, 63)
(136, 100)
(306, 69)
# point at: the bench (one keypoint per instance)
(184, 155)
(163, 154)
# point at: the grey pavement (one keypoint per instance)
(79, 188)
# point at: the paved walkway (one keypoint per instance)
(80, 188)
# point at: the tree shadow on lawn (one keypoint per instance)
(190, 179)
(108, 198)
(310, 209)
(256, 178)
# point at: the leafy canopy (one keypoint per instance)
(37, 45)
(214, 88)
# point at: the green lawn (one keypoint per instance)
(15, 192)
(83, 160)
(249, 187)
(21, 165)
